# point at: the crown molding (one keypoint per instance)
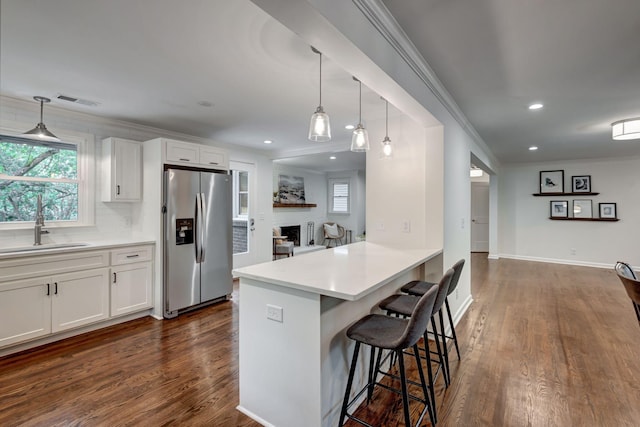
(384, 22)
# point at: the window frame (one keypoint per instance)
(235, 177)
(337, 181)
(85, 148)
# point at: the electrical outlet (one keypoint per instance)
(381, 226)
(462, 223)
(457, 294)
(573, 251)
(406, 226)
(274, 313)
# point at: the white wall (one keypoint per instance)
(526, 232)
(315, 189)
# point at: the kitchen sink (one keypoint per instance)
(25, 249)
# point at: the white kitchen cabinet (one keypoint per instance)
(25, 310)
(36, 307)
(121, 170)
(185, 153)
(79, 298)
(131, 280)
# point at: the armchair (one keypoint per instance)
(333, 233)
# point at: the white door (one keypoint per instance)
(479, 217)
(244, 206)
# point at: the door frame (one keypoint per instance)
(250, 257)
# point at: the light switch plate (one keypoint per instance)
(274, 313)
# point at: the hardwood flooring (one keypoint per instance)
(542, 345)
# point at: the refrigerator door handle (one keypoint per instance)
(202, 230)
(198, 234)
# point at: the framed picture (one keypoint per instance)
(291, 190)
(552, 181)
(608, 210)
(581, 184)
(559, 208)
(582, 209)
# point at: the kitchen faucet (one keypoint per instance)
(38, 230)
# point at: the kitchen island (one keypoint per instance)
(294, 355)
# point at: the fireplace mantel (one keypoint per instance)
(294, 205)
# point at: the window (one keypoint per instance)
(240, 193)
(338, 196)
(55, 170)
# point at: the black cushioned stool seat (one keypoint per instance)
(388, 333)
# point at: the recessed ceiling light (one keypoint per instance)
(535, 106)
(268, 141)
(205, 104)
(533, 148)
(349, 127)
(332, 158)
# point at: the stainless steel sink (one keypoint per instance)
(25, 249)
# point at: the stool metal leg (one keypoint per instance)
(453, 328)
(372, 374)
(440, 356)
(427, 398)
(352, 371)
(430, 376)
(405, 394)
(444, 345)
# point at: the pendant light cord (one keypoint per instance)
(360, 120)
(41, 107)
(386, 125)
(320, 79)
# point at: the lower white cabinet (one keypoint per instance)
(41, 295)
(131, 288)
(36, 307)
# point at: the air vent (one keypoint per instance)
(77, 100)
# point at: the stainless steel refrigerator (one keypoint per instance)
(197, 239)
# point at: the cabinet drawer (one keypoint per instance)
(131, 254)
(212, 157)
(180, 152)
(40, 265)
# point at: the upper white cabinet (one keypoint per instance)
(121, 170)
(185, 153)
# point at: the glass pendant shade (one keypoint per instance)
(40, 131)
(319, 126)
(626, 129)
(360, 139)
(387, 149)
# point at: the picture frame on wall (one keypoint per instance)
(552, 182)
(559, 208)
(581, 184)
(582, 209)
(608, 210)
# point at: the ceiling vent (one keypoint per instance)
(77, 100)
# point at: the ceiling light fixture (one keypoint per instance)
(533, 148)
(319, 126)
(350, 127)
(268, 141)
(40, 131)
(536, 106)
(475, 173)
(360, 137)
(332, 157)
(626, 129)
(387, 150)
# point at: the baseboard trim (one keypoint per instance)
(253, 416)
(493, 256)
(558, 261)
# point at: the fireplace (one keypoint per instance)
(292, 232)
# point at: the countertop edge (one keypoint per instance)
(65, 250)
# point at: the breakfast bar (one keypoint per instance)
(294, 355)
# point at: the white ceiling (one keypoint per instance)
(154, 61)
(495, 57)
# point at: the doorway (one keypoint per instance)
(243, 213)
(480, 214)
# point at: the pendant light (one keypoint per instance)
(40, 131)
(387, 150)
(360, 137)
(319, 126)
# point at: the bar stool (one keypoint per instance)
(391, 333)
(404, 305)
(418, 288)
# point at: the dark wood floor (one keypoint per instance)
(542, 345)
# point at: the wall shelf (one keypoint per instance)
(585, 219)
(294, 205)
(565, 194)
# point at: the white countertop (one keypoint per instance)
(57, 248)
(347, 272)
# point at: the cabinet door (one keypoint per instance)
(182, 152)
(127, 160)
(213, 158)
(25, 310)
(79, 298)
(131, 287)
